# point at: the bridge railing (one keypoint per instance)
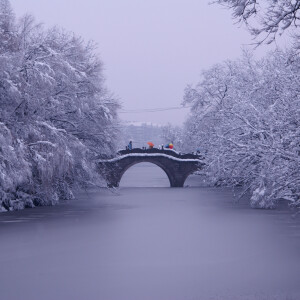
(161, 151)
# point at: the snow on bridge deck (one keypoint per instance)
(137, 152)
(149, 155)
(177, 166)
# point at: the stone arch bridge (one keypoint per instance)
(177, 166)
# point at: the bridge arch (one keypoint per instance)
(156, 164)
(177, 167)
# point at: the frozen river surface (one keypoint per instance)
(155, 243)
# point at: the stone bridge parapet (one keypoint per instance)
(177, 166)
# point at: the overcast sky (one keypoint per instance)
(151, 49)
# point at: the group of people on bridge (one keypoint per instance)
(151, 145)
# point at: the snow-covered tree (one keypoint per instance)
(7, 27)
(56, 114)
(245, 117)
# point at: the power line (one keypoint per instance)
(151, 110)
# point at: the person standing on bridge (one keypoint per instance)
(169, 146)
(151, 145)
(130, 145)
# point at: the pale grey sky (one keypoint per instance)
(151, 49)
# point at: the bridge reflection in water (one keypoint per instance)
(176, 166)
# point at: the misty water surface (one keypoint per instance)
(148, 241)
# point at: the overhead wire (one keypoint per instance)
(152, 110)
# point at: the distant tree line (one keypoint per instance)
(56, 114)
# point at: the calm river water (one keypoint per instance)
(148, 241)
